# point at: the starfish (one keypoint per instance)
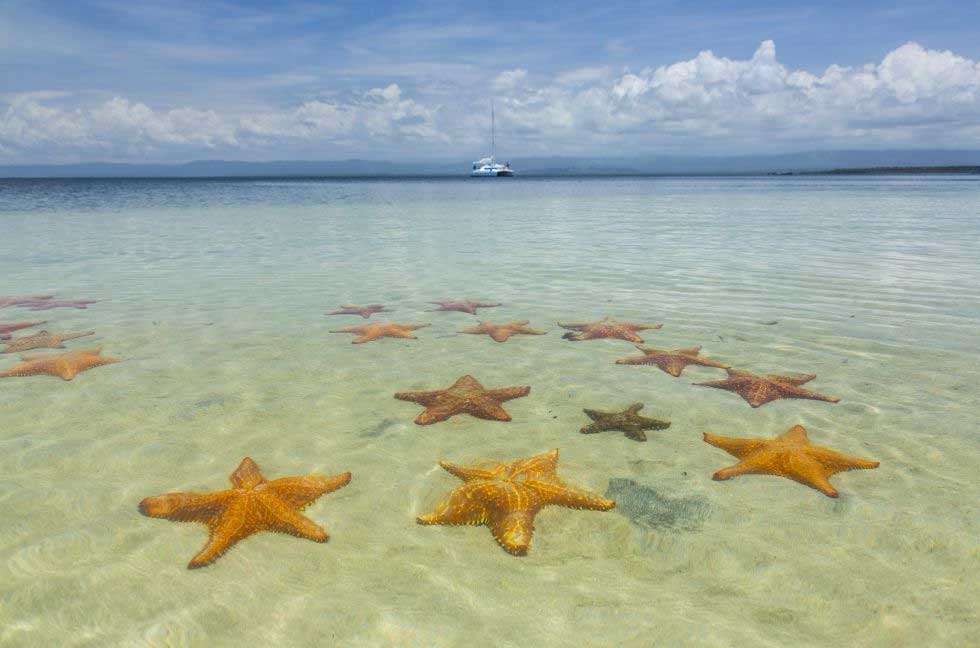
(628, 421)
(378, 330)
(10, 327)
(673, 361)
(363, 311)
(253, 504)
(465, 396)
(462, 306)
(758, 390)
(63, 365)
(606, 328)
(788, 455)
(22, 299)
(506, 497)
(501, 332)
(48, 304)
(42, 340)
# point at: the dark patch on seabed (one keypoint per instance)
(380, 428)
(646, 507)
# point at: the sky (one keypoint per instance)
(169, 80)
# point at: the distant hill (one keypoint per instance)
(812, 161)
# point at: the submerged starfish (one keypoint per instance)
(22, 299)
(48, 304)
(606, 328)
(673, 361)
(10, 327)
(758, 390)
(628, 421)
(378, 330)
(462, 306)
(251, 506)
(465, 396)
(363, 311)
(506, 497)
(500, 332)
(63, 365)
(42, 340)
(789, 455)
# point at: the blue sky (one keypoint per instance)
(174, 80)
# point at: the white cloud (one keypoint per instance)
(913, 96)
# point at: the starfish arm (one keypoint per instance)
(513, 531)
(557, 492)
(634, 408)
(73, 336)
(435, 413)
(415, 327)
(282, 519)
(369, 337)
(575, 326)
(487, 408)
(838, 462)
(463, 506)
(21, 370)
(736, 447)
(627, 335)
(225, 532)
(546, 462)
(634, 360)
(752, 465)
(474, 330)
(425, 398)
(185, 507)
(635, 432)
(500, 334)
(299, 492)
(798, 379)
(593, 428)
(653, 424)
(595, 415)
(575, 337)
(791, 391)
(348, 329)
(504, 394)
(672, 365)
(469, 473)
(642, 327)
(705, 362)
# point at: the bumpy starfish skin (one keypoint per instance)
(250, 506)
(789, 455)
(606, 328)
(501, 332)
(465, 396)
(628, 421)
(363, 311)
(462, 306)
(758, 390)
(673, 361)
(42, 340)
(62, 365)
(48, 304)
(378, 330)
(506, 497)
(10, 327)
(22, 299)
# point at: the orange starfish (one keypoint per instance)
(378, 330)
(42, 340)
(22, 299)
(250, 506)
(506, 497)
(6, 328)
(465, 396)
(673, 361)
(63, 365)
(363, 311)
(789, 455)
(462, 306)
(606, 328)
(758, 390)
(501, 332)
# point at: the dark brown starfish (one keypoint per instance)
(22, 299)
(462, 306)
(673, 361)
(501, 332)
(628, 421)
(42, 340)
(606, 328)
(758, 390)
(378, 330)
(10, 327)
(48, 304)
(363, 311)
(465, 396)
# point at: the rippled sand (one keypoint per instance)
(214, 292)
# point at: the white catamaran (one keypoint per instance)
(488, 167)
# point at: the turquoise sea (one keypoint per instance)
(214, 293)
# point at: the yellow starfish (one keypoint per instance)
(63, 365)
(506, 497)
(250, 506)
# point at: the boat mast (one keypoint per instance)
(493, 150)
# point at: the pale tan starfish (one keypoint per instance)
(758, 390)
(463, 306)
(501, 332)
(42, 340)
(606, 328)
(62, 365)
(673, 361)
(253, 504)
(465, 396)
(378, 330)
(507, 497)
(363, 311)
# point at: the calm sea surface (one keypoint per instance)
(214, 293)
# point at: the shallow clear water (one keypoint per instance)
(215, 292)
